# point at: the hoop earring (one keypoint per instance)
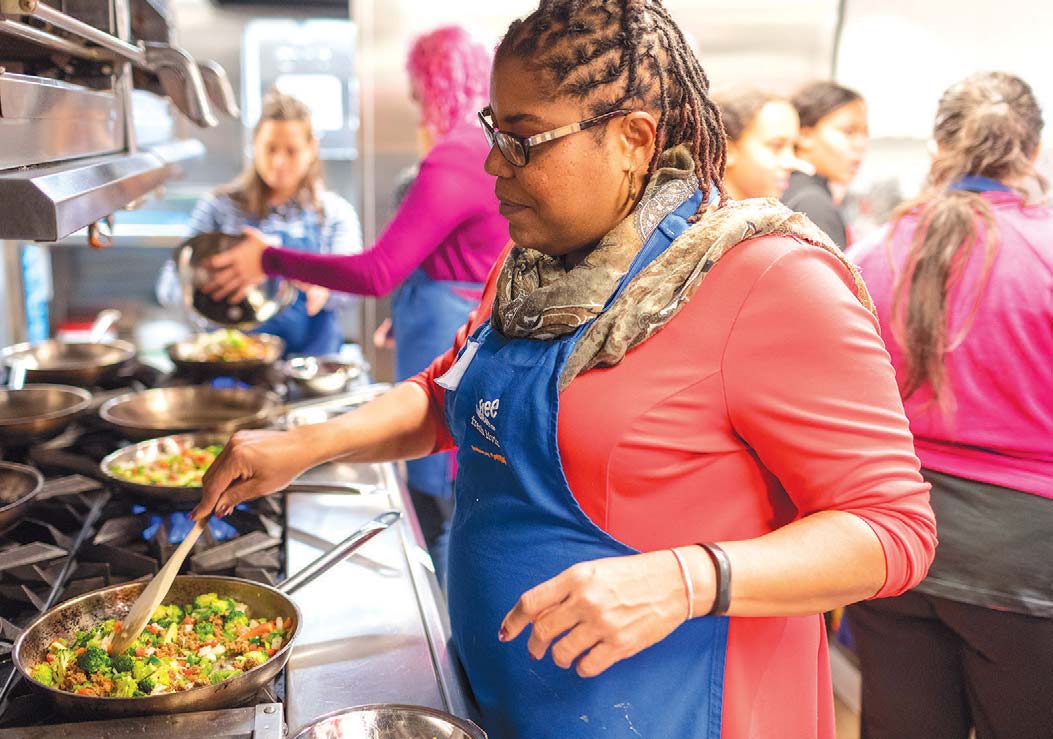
(632, 188)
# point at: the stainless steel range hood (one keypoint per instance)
(86, 94)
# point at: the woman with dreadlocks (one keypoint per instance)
(963, 282)
(679, 435)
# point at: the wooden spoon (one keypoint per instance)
(155, 591)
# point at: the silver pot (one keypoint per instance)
(262, 303)
(390, 721)
(320, 375)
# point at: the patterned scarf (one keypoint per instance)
(537, 298)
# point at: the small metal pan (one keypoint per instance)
(89, 610)
(19, 485)
(152, 449)
(38, 412)
(184, 356)
(176, 410)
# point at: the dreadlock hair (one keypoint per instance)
(612, 54)
(987, 125)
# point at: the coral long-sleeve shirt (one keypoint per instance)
(770, 396)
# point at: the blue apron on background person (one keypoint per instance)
(516, 524)
(425, 317)
(315, 335)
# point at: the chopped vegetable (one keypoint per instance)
(93, 659)
(183, 647)
(227, 345)
(182, 469)
(44, 675)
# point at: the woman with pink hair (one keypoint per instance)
(437, 249)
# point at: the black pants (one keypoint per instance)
(935, 668)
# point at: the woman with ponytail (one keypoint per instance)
(963, 282)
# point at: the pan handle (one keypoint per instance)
(356, 488)
(16, 373)
(103, 322)
(340, 552)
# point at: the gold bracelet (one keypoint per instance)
(687, 584)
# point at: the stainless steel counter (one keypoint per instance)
(375, 627)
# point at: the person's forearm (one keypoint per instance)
(397, 425)
(822, 561)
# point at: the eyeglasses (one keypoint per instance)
(516, 149)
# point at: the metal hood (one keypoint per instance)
(86, 100)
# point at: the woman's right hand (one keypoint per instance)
(238, 269)
(251, 465)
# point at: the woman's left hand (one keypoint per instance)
(605, 609)
(317, 296)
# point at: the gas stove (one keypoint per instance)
(81, 535)
(374, 628)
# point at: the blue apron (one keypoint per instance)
(303, 334)
(425, 316)
(516, 524)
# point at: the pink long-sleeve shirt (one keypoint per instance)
(1000, 429)
(448, 225)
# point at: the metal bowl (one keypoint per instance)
(320, 375)
(261, 304)
(390, 721)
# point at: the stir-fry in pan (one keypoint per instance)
(183, 647)
(228, 345)
(184, 468)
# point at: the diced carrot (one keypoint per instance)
(154, 629)
(84, 691)
(116, 627)
(259, 630)
(140, 651)
(80, 651)
(50, 657)
(271, 652)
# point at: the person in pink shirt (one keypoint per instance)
(437, 249)
(963, 283)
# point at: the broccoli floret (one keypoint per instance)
(206, 600)
(93, 659)
(147, 685)
(108, 626)
(123, 662)
(44, 675)
(166, 615)
(204, 631)
(220, 675)
(124, 686)
(82, 638)
(222, 606)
